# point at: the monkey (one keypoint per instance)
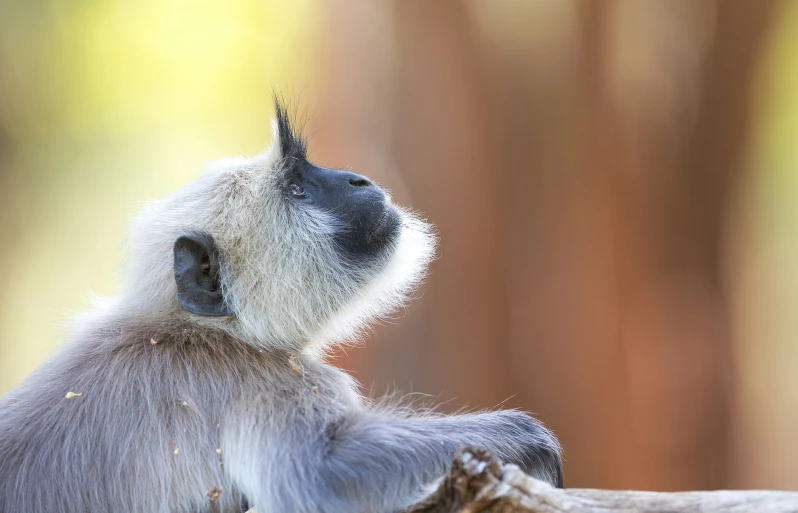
(203, 384)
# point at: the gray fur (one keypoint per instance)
(162, 390)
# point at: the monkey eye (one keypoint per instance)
(297, 191)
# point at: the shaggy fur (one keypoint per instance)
(184, 413)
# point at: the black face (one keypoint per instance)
(369, 223)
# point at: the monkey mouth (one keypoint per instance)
(386, 225)
(380, 224)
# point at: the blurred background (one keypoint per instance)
(615, 184)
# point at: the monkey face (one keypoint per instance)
(366, 223)
(359, 215)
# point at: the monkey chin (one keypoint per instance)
(404, 267)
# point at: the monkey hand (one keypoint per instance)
(524, 441)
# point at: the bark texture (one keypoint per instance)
(479, 483)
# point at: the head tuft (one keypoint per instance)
(293, 143)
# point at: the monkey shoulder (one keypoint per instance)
(301, 385)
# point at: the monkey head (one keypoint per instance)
(275, 250)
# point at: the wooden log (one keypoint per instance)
(479, 483)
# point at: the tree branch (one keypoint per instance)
(479, 483)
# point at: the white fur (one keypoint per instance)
(388, 290)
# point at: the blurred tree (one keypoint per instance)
(578, 159)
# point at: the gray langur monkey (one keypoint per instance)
(202, 385)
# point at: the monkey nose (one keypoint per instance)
(356, 180)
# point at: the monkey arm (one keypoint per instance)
(430, 441)
(376, 461)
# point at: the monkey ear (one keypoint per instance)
(197, 275)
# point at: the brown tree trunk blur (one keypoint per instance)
(667, 176)
(577, 159)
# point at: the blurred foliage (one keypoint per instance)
(766, 295)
